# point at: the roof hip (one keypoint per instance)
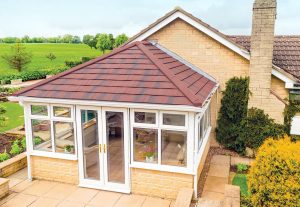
(179, 84)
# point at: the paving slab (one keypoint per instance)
(232, 191)
(21, 174)
(130, 201)
(71, 204)
(20, 200)
(157, 202)
(208, 203)
(45, 202)
(23, 186)
(215, 184)
(213, 195)
(83, 195)
(14, 181)
(7, 198)
(220, 160)
(105, 199)
(40, 188)
(219, 171)
(61, 191)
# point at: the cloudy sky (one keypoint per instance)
(79, 17)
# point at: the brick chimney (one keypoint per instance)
(262, 40)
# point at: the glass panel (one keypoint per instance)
(145, 145)
(174, 119)
(40, 110)
(90, 141)
(173, 148)
(200, 133)
(145, 117)
(64, 137)
(41, 135)
(115, 146)
(62, 111)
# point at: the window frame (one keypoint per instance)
(52, 119)
(159, 127)
(205, 126)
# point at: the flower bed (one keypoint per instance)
(11, 146)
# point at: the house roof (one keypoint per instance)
(288, 66)
(286, 52)
(140, 72)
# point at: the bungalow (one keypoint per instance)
(141, 119)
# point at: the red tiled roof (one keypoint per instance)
(286, 52)
(139, 72)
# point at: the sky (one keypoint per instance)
(78, 17)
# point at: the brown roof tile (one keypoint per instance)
(139, 72)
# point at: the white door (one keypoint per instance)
(103, 148)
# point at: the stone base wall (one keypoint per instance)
(53, 169)
(13, 165)
(158, 183)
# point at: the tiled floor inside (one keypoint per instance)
(39, 193)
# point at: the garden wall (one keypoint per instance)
(158, 183)
(13, 165)
(53, 169)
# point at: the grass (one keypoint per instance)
(14, 114)
(241, 180)
(39, 51)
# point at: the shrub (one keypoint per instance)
(241, 167)
(3, 118)
(15, 148)
(37, 140)
(4, 156)
(51, 56)
(72, 63)
(233, 109)
(257, 127)
(85, 59)
(23, 142)
(274, 178)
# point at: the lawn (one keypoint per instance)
(241, 180)
(39, 51)
(14, 114)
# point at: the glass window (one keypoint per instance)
(40, 110)
(41, 137)
(174, 119)
(145, 145)
(200, 133)
(87, 115)
(64, 137)
(144, 117)
(60, 111)
(173, 148)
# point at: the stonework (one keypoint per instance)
(4, 187)
(262, 40)
(52, 169)
(158, 183)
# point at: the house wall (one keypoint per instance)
(278, 86)
(158, 183)
(213, 58)
(53, 169)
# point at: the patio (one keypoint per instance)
(41, 193)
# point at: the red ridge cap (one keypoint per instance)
(113, 52)
(179, 84)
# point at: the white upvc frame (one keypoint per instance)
(51, 118)
(103, 183)
(189, 121)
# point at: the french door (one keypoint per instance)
(103, 148)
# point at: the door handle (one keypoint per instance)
(104, 146)
(100, 146)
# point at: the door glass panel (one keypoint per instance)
(90, 141)
(115, 146)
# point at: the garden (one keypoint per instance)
(273, 178)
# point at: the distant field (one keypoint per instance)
(39, 51)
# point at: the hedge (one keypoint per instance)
(274, 178)
(30, 75)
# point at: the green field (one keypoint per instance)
(39, 51)
(14, 114)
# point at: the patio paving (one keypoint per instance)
(40, 193)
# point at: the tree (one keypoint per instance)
(51, 56)
(9, 40)
(89, 40)
(103, 42)
(25, 39)
(112, 39)
(120, 39)
(233, 110)
(19, 57)
(67, 38)
(75, 40)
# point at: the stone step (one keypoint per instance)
(208, 203)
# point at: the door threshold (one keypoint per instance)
(126, 191)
